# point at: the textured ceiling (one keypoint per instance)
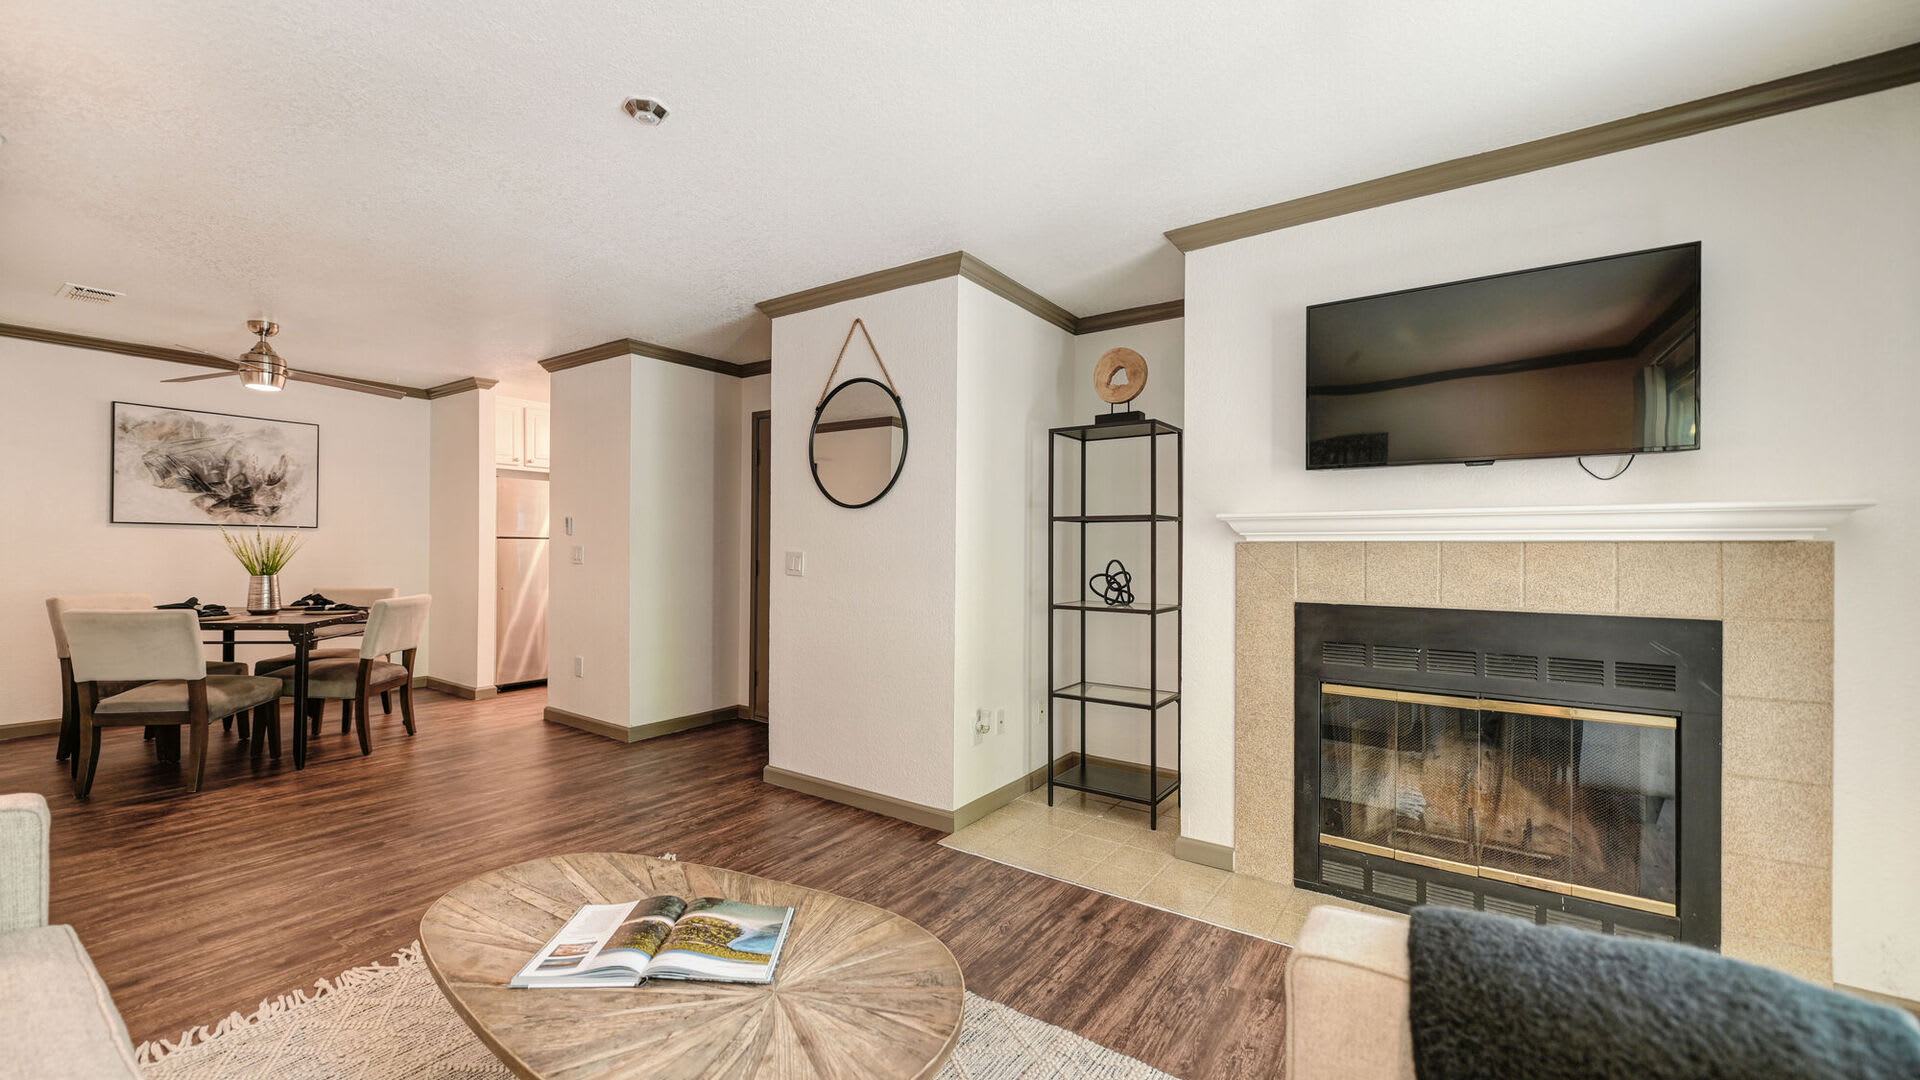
(423, 191)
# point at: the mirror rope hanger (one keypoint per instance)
(862, 327)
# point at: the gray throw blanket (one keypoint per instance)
(1495, 998)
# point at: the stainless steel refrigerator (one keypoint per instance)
(520, 565)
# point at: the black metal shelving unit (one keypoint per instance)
(1151, 700)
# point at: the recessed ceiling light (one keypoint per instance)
(646, 110)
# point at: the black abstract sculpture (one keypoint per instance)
(1115, 586)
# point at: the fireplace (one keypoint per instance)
(1559, 768)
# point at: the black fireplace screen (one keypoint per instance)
(1562, 768)
(1570, 800)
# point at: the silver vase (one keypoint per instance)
(263, 594)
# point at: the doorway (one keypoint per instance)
(762, 543)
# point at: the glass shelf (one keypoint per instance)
(1121, 609)
(1132, 785)
(1131, 697)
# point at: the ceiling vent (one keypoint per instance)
(88, 293)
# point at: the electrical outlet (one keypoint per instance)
(569, 524)
(1000, 721)
(579, 667)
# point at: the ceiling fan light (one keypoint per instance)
(263, 379)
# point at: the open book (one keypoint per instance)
(662, 937)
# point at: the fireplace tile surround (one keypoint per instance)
(1775, 599)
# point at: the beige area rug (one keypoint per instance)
(389, 1021)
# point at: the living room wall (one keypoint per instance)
(1808, 340)
(54, 429)
(863, 645)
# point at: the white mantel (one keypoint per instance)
(1659, 521)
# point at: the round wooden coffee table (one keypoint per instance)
(860, 991)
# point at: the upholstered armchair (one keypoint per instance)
(60, 1021)
(158, 652)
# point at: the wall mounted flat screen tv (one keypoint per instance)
(1595, 357)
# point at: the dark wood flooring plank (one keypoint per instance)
(197, 906)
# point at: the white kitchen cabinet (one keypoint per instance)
(538, 436)
(522, 434)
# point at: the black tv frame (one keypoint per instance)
(1699, 396)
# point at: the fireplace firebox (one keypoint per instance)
(1559, 768)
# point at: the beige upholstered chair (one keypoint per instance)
(393, 626)
(159, 651)
(358, 596)
(70, 693)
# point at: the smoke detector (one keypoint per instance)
(646, 110)
(88, 293)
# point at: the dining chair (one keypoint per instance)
(57, 606)
(158, 652)
(393, 626)
(358, 596)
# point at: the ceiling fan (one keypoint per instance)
(260, 368)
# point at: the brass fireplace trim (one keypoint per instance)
(1582, 892)
(1564, 712)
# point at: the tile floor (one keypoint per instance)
(1105, 845)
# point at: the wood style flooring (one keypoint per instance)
(197, 906)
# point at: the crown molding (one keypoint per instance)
(1869, 74)
(1133, 316)
(461, 386)
(635, 347)
(178, 356)
(963, 265)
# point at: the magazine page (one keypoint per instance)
(570, 955)
(723, 940)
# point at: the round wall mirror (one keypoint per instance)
(859, 443)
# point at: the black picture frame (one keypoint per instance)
(113, 479)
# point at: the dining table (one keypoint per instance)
(302, 629)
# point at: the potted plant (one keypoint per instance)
(264, 557)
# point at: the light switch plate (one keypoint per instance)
(569, 524)
(797, 563)
(579, 555)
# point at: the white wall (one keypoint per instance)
(862, 647)
(683, 534)
(591, 481)
(1015, 373)
(1809, 338)
(461, 538)
(645, 462)
(56, 539)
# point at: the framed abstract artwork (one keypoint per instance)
(186, 467)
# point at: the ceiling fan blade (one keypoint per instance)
(201, 378)
(345, 384)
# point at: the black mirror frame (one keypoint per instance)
(813, 432)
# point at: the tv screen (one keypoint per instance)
(1594, 357)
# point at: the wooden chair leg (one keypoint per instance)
(268, 716)
(68, 748)
(361, 725)
(346, 715)
(246, 729)
(406, 704)
(197, 766)
(88, 754)
(314, 707)
(386, 702)
(227, 722)
(166, 741)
